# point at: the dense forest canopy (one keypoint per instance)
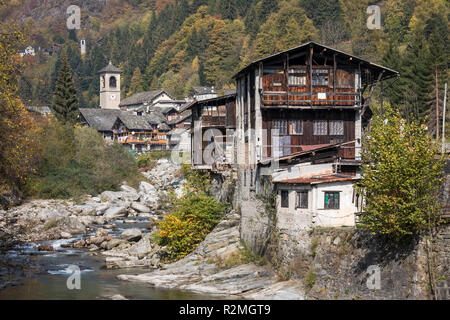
(177, 44)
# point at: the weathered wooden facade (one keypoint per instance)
(308, 97)
(212, 131)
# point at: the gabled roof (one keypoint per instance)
(142, 97)
(322, 49)
(100, 119)
(211, 101)
(110, 68)
(134, 122)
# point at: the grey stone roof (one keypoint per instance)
(134, 122)
(155, 117)
(100, 119)
(227, 92)
(204, 90)
(141, 97)
(110, 68)
(163, 127)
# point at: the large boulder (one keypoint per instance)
(140, 207)
(71, 225)
(141, 248)
(147, 188)
(131, 235)
(129, 189)
(111, 196)
(115, 212)
(113, 243)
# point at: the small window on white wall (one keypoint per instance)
(301, 201)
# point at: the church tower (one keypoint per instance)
(110, 87)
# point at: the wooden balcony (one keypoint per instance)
(214, 121)
(319, 97)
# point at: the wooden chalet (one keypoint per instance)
(212, 127)
(138, 134)
(307, 97)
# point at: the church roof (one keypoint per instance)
(110, 68)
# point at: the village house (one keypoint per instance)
(143, 101)
(133, 123)
(204, 93)
(213, 124)
(299, 118)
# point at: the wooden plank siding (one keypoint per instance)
(278, 92)
(307, 137)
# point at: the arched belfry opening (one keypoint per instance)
(112, 82)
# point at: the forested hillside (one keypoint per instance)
(177, 44)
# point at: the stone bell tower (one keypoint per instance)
(110, 87)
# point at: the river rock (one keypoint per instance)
(46, 247)
(65, 235)
(101, 232)
(140, 207)
(141, 248)
(115, 212)
(147, 188)
(113, 243)
(72, 225)
(111, 196)
(129, 189)
(131, 235)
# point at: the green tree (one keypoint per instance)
(136, 82)
(65, 103)
(286, 28)
(400, 178)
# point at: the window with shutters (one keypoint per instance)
(285, 199)
(320, 127)
(296, 127)
(301, 200)
(280, 126)
(331, 200)
(336, 127)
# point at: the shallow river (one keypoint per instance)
(45, 274)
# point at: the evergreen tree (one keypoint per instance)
(136, 82)
(321, 11)
(392, 59)
(65, 103)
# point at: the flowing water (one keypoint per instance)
(44, 275)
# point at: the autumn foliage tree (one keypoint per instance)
(18, 131)
(401, 177)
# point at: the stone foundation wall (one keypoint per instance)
(338, 263)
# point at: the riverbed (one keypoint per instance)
(43, 274)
